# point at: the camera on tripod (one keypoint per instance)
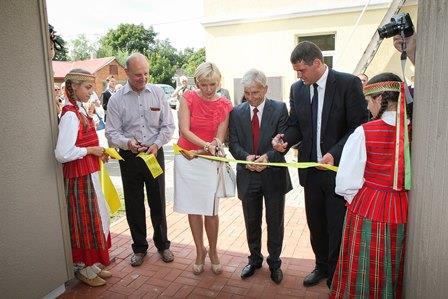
(400, 23)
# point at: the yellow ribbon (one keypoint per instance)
(177, 149)
(113, 153)
(109, 191)
(152, 163)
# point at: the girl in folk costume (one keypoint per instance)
(374, 177)
(77, 148)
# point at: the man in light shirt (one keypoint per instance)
(140, 120)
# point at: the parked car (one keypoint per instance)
(168, 90)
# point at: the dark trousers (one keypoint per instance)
(135, 176)
(325, 212)
(253, 210)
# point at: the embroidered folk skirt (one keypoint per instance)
(89, 240)
(371, 259)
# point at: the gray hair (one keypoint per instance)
(254, 77)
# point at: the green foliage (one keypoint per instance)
(82, 48)
(191, 59)
(164, 59)
(62, 54)
(129, 38)
(163, 62)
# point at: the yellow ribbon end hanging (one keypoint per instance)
(152, 163)
(109, 191)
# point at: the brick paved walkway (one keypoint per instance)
(175, 280)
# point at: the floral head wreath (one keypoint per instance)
(382, 86)
(80, 77)
(77, 77)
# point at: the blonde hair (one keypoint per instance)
(207, 71)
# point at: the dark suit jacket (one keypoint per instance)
(105, 98)
(344, 110)
(273, 121)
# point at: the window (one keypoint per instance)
(113, 69)
(325, 42)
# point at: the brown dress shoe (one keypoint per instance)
(167, 255)
(93, 282)
(137, 259)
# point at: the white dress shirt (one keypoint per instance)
(322, 82)
(259, 113)
(144, 116)
(350, 175)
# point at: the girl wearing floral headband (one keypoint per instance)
(373, 177)
(77, 149)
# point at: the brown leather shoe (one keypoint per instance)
(93, 282)
(137, 259)
(167, 255)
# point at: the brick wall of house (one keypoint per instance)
(103, 73)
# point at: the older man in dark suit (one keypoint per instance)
(252, 126)
(325, 108)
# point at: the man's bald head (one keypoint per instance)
(137, 70)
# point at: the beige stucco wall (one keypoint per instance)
(426, 271)
(33, 255)
(267, 44)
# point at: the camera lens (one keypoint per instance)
(389, 30)
(400, 23)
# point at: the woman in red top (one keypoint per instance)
(371, 177)
(203, 120)
(77, 148)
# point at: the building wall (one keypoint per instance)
(103, 73)
(242, 44)
(426, 271)
(35, 255)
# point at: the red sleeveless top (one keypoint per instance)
(377, 200)
(205, 117)
(86, 137)
(380, 148)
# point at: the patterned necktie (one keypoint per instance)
(314, 111)
(255, 131)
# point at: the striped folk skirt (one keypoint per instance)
(90, 244)
(371, 259)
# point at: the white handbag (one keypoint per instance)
(226, 176)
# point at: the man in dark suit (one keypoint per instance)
(110, 90)
(252, 126)
(325, 108)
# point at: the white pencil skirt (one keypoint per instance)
(195, 184)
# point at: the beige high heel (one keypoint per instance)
(198, 269)
(216, 268)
